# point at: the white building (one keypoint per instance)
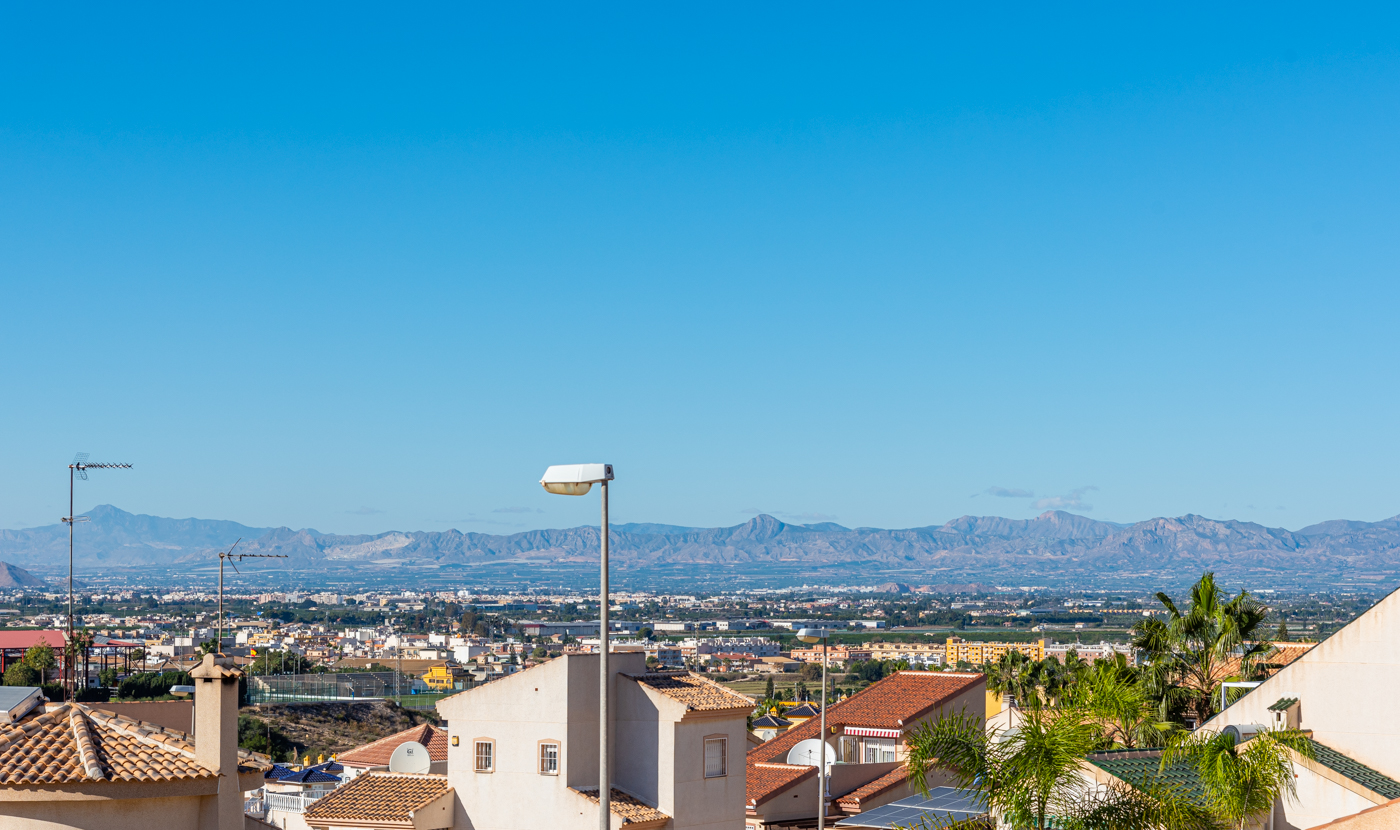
(523, 751)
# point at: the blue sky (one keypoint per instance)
(360, 268)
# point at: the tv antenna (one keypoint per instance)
(232, 557)
(78, 469)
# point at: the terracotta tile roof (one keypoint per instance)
(377, 754)
(696, 692)
(851, 801)
(379, 796)
(763, 781)
(73, 743)
(631, 809)
(893, 703)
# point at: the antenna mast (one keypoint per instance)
(78, 469)
(232, 558)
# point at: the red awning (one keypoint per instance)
(863, 732)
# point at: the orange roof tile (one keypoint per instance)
(852, 800)
(379, 796)
(630, 808)
(763, 781)
(376, 754)
(73, 743)
(694, 691)
(893, 703)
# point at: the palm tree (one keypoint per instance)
(1111, 691)
(1033, 776)
(1194, 652)
(1242, 780)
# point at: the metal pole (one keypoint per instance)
(604, 781)
(67, 658)
(219, 644)
(821, 750)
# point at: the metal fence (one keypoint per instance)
(305, 688)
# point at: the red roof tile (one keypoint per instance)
(893, 703)
(377, 754)
(851, 801)
(767, 780)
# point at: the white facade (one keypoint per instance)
(536, 735)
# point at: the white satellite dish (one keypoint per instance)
(808, 753)
(411, 756)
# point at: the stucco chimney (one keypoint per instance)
(216, 733)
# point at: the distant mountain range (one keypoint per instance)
(1054, 544)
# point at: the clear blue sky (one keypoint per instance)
(370, 268)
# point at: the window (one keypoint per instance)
(716, 757)
(549, 758)
(485, 756)
(879, 750)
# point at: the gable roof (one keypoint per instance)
(765, 780)
(379, 797)
(377, 753)
(893, 703)
(76, 744)
(770, 721)
(696, 692)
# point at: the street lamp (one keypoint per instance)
(820, 635)
(577, 480)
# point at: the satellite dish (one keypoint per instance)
(808, 753)
(411, 756)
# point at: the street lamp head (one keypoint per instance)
(575, 479)
(812, 635)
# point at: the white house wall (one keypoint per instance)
(1344, 686)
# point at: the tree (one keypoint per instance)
(208, 647)
(1242, 780)
(107, 677)
(1190, 654)
(279, 662)
(811, 671)
(645, 633)
(40, 658)
(768, 688)
(540, 653)
(1112, 693)
(1281, 635)
(21, 674)
(799, 692)
(1032, 775)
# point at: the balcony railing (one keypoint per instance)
(292, 802)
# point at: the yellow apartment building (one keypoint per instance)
(958, 649)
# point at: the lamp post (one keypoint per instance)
(820, 635)
(577, 480)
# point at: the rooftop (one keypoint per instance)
(631, 809)
(765, 780)
(896, 777)
(377, 754)
(1372, 780)
(695, 692)
(893, 703)
(74, 743)
(379, 796)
